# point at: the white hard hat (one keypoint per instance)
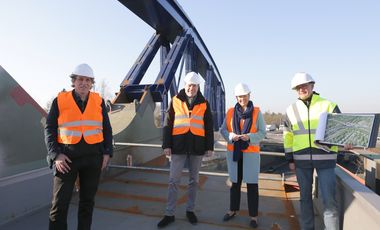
(301, 78)
(192, 78)
(241, 89)
(83, 70)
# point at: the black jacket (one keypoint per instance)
(188, 143)
(82, 148)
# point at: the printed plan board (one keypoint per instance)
(343, 128)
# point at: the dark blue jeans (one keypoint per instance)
(88, 168)
(326, 178)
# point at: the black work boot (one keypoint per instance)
(253, 223)
(191, 217)
(165, 221)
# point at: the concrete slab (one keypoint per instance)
(136, 199)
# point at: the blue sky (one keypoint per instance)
(261, 43)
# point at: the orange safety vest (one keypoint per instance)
(183, 121)
(73, 124)
(251, 148)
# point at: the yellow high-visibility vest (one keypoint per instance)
(304, 122)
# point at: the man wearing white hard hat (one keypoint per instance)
(304, 156)
(243, 129)
(78, 137)
(188, 135)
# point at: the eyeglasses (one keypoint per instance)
(302, 86)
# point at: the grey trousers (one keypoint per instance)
(176, 167)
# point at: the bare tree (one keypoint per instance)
(273, 118)
(103, 89)
(49, 102)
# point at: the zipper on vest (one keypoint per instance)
(308, 126)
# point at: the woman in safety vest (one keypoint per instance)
(243, 129)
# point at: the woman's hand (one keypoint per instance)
(235, 137)
(244, 137)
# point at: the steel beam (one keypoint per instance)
(172, 25)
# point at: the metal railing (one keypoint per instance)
(219, 150)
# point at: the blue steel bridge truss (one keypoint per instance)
(177, 39)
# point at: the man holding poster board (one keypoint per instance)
(304, 156)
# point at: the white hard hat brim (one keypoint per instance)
(295, 87)
(76, 75)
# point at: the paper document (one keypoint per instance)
(320, 132)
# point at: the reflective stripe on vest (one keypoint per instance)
(304, 123)
(184, 122)
(252, 148)
(317, 157)
(73, 124)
